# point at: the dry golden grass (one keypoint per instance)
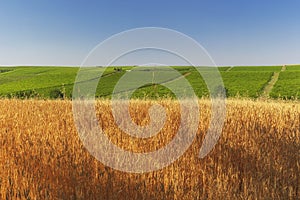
(257, 156)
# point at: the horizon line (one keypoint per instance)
(126, 65)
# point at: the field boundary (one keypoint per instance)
(283, 68)
(229, 69)
(269, 86)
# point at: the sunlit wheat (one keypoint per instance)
(257, 156)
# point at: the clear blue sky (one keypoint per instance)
(234, 32)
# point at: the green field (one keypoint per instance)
(245, 83)
(257, 68)
(57, 82)
(293, 67)
(287, 86)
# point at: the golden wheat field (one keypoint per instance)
(257, 156)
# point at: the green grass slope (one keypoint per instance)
(58, 82)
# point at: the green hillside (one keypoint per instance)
(57, 82)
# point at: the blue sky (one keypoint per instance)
(234, 32)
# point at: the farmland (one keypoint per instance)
(257, 156)
(288, 84)
(58, 82)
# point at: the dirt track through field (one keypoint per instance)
(268, 88)
(230, 68)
